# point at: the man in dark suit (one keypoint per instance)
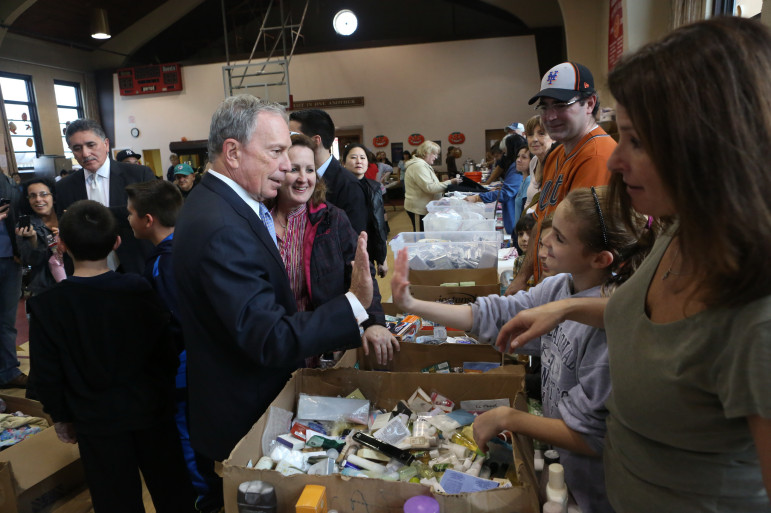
(104, 180)
(243, 333)
(343, 189)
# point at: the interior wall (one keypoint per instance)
(432, 89)
(43, 84)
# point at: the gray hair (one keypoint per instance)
(236, 118)
(427, 147)
(84, 125)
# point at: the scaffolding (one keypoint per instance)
(267, 78)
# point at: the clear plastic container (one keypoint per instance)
(458, 204)
(449, 250)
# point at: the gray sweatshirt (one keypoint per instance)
(575, 380)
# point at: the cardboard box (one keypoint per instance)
(426, 285)
(385, 389)
(42, 469)
(412, 357)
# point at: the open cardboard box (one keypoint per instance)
(413, 357)
(426, 285)
(385, 389)
(41, 469)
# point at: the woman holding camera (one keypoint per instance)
(37, 235)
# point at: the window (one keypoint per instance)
(69, 108)
(22, 117)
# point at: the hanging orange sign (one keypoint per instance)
(457, 138)
(416, 139)
(380, 141)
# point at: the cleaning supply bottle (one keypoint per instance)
(256, 497)
(556, 491)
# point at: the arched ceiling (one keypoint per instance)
(57, 32)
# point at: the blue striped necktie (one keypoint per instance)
(267, 219)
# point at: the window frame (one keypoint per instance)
(79, 108)
(34, 120)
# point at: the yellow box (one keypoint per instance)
(312, 500)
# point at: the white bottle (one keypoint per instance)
(556, 491)
(553, 507)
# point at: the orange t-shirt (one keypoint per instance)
(586, 165)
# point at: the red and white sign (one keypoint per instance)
(615, 34)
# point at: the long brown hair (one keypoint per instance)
(700, 101)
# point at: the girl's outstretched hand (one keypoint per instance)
(400, 285)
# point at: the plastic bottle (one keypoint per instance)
(421, 504)
(556, 491)
(553, 507)
(256, 497)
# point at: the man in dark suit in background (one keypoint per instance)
(104, 180)
(343, 189)
(242, 330)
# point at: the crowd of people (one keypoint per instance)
(642, 285)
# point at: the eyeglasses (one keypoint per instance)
(33, 195)
(558, 107)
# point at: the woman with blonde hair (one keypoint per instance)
(421, 184)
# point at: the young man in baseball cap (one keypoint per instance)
(128, 156)
(567, 104)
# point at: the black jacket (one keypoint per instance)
(377, 232)
(344, 191)
(132, 252)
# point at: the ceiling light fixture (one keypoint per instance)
(100, 29)
(345, 22)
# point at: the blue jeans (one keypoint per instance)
(10, 292)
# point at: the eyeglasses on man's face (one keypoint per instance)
(33, 195)
(558, 107)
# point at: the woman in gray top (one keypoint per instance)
(689, 336)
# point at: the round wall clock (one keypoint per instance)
(135, 132)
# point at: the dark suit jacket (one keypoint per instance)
(345, 192)
(72, 188)
(243, 334)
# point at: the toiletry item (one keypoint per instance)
(556, 491)
(389, 450)
(313, 499)
(366, 464)
(553, 507)
(256, 497)
(421, 504)
(264, 463)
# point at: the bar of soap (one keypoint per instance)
(468, 284)
(450, 284)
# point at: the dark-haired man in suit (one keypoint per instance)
(104, 180)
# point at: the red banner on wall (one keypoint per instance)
(615, 34)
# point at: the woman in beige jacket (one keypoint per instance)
(421, 184)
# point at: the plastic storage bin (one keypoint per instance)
(449, 250)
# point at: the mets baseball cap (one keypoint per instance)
(124, 154)
(183, 169)
(564, 81)
(516, 126)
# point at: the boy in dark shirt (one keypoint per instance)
(153, 208)
(100, 344)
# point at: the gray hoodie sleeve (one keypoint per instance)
(490, 313)
(583, 408)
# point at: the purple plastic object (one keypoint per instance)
(421, 504)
